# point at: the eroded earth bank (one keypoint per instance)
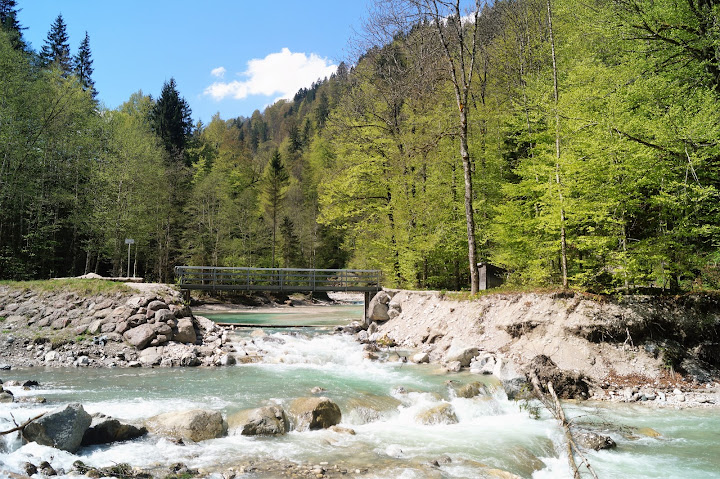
(640, 348)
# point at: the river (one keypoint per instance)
(380, 400)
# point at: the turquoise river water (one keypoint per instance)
(390, 441)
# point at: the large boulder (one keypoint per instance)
(163, 316)
(378, 307)
(461, 353)
(440, 414)
(205, 325)
(471, 390)
(592, 440)
(194, 425)
(157, 305)
(185, 331)
(62, 428)
(369, 408)
(264, 421)
(6, 396)
(140, 336)
(104, 430)
(314, 413)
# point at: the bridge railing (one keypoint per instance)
(276, 279)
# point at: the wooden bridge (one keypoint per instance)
(285, 280)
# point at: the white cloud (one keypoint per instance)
(278, 74)
(218, 72)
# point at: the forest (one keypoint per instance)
(572, 144)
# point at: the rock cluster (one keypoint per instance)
(382, 307)
(62, 329)
(70, 427)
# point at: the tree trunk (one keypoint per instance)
(563, 240)
(469, 211)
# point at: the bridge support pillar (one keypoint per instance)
(369, 295)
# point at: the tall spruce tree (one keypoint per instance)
(83, 66)
(10, 24)
(274, 188)
(171, 121)
(56, 50)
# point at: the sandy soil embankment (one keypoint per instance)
(636, 346)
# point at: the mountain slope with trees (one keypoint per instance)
(570, 144)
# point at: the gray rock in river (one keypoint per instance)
(313, 413)
(194, 425)
(471, 390)
(264, 421)
(591, 440)
(440, 414)
(105, 429)
(61, 428)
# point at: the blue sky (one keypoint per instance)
(227, 56)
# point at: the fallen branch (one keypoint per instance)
(552, 404)
(22, 426)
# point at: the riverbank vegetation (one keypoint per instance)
(569, 143)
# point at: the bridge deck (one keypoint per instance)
(286, 280)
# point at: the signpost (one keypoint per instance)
(129, 241)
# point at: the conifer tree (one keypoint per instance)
(83, 66)
(274, 188)
(9, 23)
(171, 121)
(56, 50)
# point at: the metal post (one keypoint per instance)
(129, 241)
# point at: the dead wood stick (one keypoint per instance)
(572, 447)
(22, 426)
(552, 404)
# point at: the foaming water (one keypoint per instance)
(390, 405)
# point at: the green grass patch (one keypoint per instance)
(2, 318)
(504, 290)
(83, 287)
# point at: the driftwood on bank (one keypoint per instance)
(22, 426)
(552, 404)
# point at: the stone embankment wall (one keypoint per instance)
(600, 338)
(136, 328)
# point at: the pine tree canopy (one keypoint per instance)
(171, 120)
(56, 50)
(83, 66)
(10, 24)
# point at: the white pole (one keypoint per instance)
(128, 268)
